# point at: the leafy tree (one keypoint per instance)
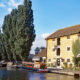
(6, 34)
(12, 33)
(18, 32)
(75, 60)
(1, 47)
(76, 51)
(25, 30)
(3, 55)
(37, 50)
(76, 47)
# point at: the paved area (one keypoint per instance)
(66, 72)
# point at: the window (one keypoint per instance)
(68, 48)
(68, 37)
(62, 60)
(49, 60)
(54, 49)
(68, 60)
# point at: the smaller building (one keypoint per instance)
(30, 57)
(41, 56)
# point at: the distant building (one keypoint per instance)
(41, 56)
(30, 57)
(59, 46)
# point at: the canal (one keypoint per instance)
(13, 74)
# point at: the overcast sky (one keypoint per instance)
(49, 15)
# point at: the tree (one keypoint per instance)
(18, 32)
(13, 32)
(3, 55)
(37, 50)
(25, 30)
(76, 51)
(76, 47)
(1, 46)
(6, 34)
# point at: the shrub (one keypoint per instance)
(77, 68)
(43, 66)
(70, 66)
(48, 65)
(51, 64)
(65, 64)
(75, 60)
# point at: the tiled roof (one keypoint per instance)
(65, 31)
(43, 53)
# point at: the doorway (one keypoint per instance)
(58, 61)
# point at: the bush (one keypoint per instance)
(65, 64)
(43, 66)
(70, 66)
(51, 64)
(75, 60)
(48, 65)
(77, 68)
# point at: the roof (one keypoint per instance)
(30, 56)
(43, 53)
(65, 31)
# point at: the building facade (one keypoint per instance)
(59, 46)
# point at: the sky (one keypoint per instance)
(49, 16)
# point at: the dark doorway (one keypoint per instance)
(58, 62)
(58, 52)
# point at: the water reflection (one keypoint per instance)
(14, 74)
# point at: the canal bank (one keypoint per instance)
(67, 72)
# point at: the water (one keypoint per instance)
(13, 74)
